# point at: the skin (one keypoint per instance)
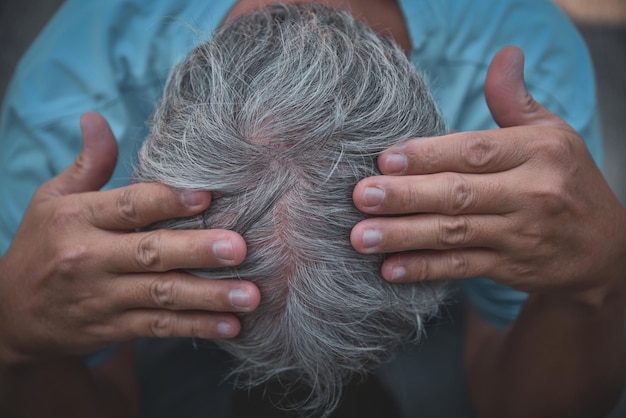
(474, 207)
(482, 212)
(88, 281)
(95, 281)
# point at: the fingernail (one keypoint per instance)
(398, 273)
(372, 238)
(239, 298)
(225, 329)
(396, 164)
(193, 199)
(373, 196)
(224, 250)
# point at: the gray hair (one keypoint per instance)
(280, 115)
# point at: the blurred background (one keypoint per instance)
(601, 22)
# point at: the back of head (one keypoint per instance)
(280, 115)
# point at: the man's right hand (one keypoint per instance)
(77, 278)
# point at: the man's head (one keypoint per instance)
(280, 115)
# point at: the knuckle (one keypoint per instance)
(560, 155)
(558, 147)
(459, 264)
(163, 292)
(529, 104)
(453, 231)
(462, 193)
(69, 248)
(479, 152)
(81, 162)
(70, 258)
(148, 254)
(557, 192)
(162, 325)
(125, 206)
(552, 197)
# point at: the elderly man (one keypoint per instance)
(472, 204)
(280, 115)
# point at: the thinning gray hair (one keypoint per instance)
(280, 115)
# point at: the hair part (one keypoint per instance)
(280, 115)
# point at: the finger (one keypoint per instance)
(142, 204)
(94, 165)
(439, 265)
(511, 105)
(508, 99)
(180, 291)
(446, 193)
(164, 250)
(429, 232)
(466, 152)
(158, 323)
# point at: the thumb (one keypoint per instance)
(505, 91)
(94, 165)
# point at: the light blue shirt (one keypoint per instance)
(114, 56)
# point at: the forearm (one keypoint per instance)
(562, 358)
(62, 387)
(66, 387)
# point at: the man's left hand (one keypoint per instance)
(524, 205)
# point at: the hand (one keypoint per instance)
(77, 278)
(524, 205)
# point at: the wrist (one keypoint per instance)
(591, 300)
(608, 285)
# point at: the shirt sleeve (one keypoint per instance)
(453, 43)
